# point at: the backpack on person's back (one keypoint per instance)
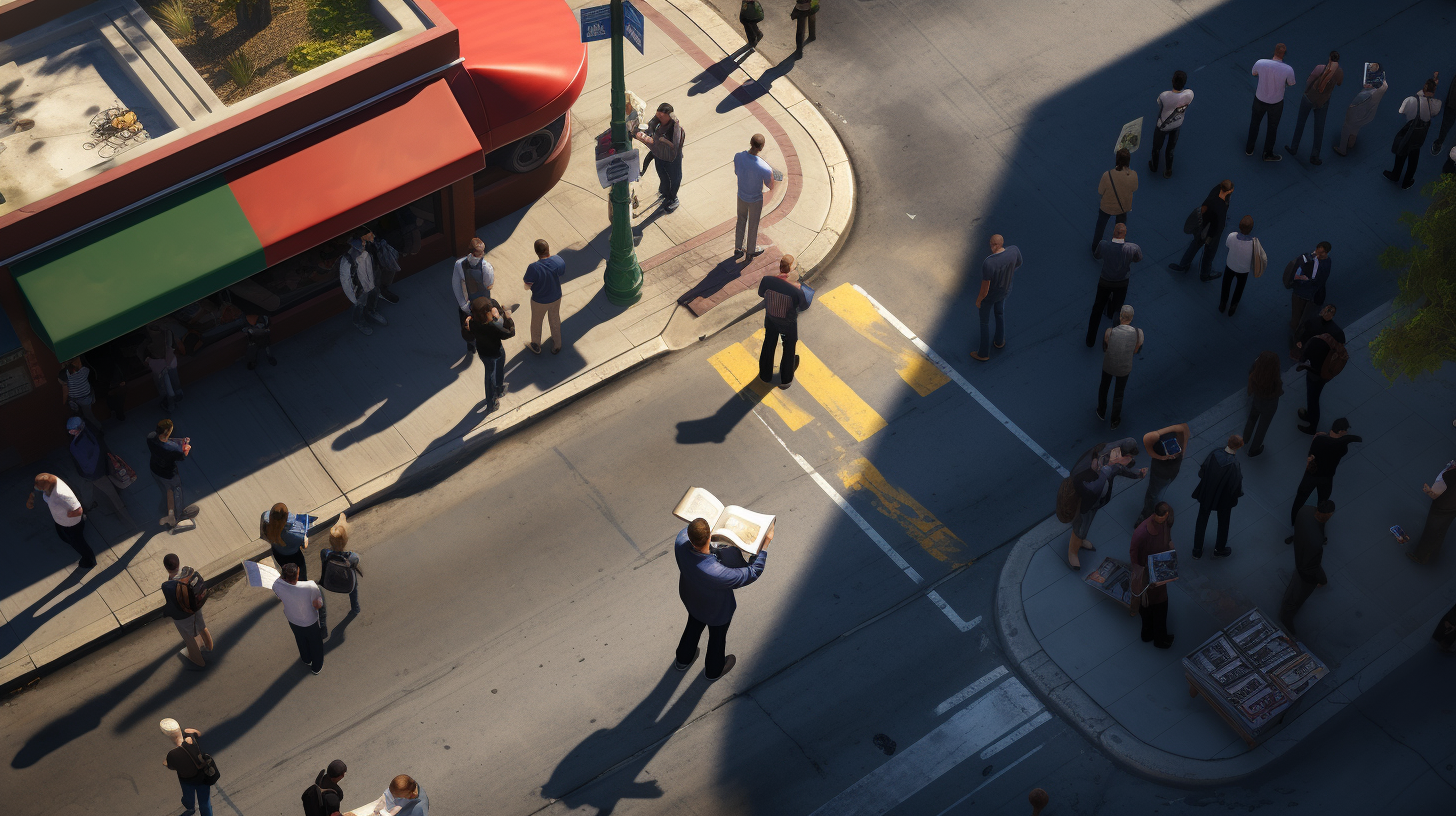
(1336, 359)
(320, 801)
(339, 574)
(187, 591)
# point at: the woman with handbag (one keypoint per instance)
(288, 543)
(1116, 188)
(1418, 111)
(1153, 536)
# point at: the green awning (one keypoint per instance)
(145, 265)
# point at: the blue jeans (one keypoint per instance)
(199, 792)
(669, 178)
(987, 309)
(1319, 126)
(495, 377)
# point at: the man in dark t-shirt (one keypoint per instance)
(1213, 214)
(783, 297)
(1312, 363)
(1325, 453)
(186, 760)
(996, 273)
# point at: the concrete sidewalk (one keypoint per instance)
(346, 418)
(1082, 652)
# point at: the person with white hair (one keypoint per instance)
(1119, 344)
(473, 278)
(187, 759)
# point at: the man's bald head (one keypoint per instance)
(1119, 231)
(997, 242)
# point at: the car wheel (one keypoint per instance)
(532, 151)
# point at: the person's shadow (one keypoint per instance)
(715, 428)
(645, 729)
(753, 89)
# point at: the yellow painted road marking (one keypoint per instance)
(739, 369)
(914, 368)
(828, 390)
(892, 502)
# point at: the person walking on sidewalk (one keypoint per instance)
(997, 271)
(1325, 452)
(1166, 446)
(66, 512)
(325, 797)
(473, 278)
(1362, 109)
(186, 758)
(1274, 76)
(1316, 351)
(1116, 187)
(754, 175)
(1220, 484)
(1092, 478)
(1117, 256)
(667, 148)
(1265, 387)
(302, 601)
(1153, 535)
(78, 390)
(803, 14)
(1418, 111)
(279, 528)
(1119, 345)
(1172, 107)
(1309, 552)
(1317, 90)
(357, 276)
(1211, 217)
(706, 580)
(489, 325)
(783, 299)
(176, 594)
(1315, 324)
(339, 568)
(1438, 518)
(543, 278)
(92, 460)
(750, 14)
(257, 328)
(1245, 254)
(1311, 281)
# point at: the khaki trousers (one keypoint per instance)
(550, 310)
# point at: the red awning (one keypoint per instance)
(370, 164)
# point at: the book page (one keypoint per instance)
(745, 528)
(698, 503)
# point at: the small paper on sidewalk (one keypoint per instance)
(260, 575)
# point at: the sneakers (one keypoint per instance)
(364, 328)
(671, 205)
(684, 666)
(728, 663)
(1176, 267)
(378, 318)
(1389, 174)
(1255, 451)
(1102, 413)
(1315, 160)
(976, 355)
(388, 295)
(1223, 553)
(1273, 157)
(757, 251)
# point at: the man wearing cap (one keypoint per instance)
(666, 146)
(66, 512)
(89, 453)
(325, 797)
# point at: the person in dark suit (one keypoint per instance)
(1309, 552)
(1220, 484)
(706, 580)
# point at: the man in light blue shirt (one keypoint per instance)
(754, 175)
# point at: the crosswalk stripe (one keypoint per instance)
(918, 522)
(913, 367)
(970, 691)
(1030, 726)
(992, 778)
(739, 369)
(856, 415)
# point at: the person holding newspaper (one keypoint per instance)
(707, 577)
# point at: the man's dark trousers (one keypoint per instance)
(1158, 137)
(75, 535)
(988, 309)
(1409, 158)
(1309, 484)
(310, 640)
(1313, 385)
(1109, 300)
(669, 178)
(1116, 396)
(1210, 249)
(771, 334)
(1200, 527)
(1305, 109)
(1295, 595)
(717, 645)
(1261, 109)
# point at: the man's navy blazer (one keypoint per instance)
(706, 585)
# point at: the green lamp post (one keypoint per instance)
(624, 276)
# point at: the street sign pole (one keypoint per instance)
(624, 277)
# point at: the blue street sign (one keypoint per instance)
(635, 25)
(596, 23)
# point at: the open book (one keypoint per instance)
(742, 528)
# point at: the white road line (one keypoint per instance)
(970, 691)
(965, 385)
(1005, 742)
(964, 626)
(930, 757)
(993, 778)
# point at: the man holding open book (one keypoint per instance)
(707, 578)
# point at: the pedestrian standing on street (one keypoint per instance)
(754, 175)
(1311, 282)
(92, 459)
(1092, 478)
(1316, 351)
(166, 460)
(783, 299)
(1245, 254)
(278, 529)
(1316, 323)
(1154, 535)
(1119, 345)
(1309, 551)
(257, 328)
(162, 362)
(706, 580)
(66, 512)
(1166, 446)
(489, 324)
(1116, 187)
(997, 271)
(543, 278)
(1117, 256)
(1274, 76)
(803, 14)
(179, 604)
(1266, 385)
(325, 797)
(473, 278)
(1409, 140)
(1325, 452)
(1438, 518)
(403, 797)
(1212, 215)
(77, 390)
(1220, 484)
(358, 278)
(667, 147)
(187, 760)
(302, 601)
(1362, 109)
(339, 568)
(750, 15)
(1317, 90)
(1172, 108)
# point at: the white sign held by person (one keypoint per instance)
(260, 575)
(1130, 137)
(619, 167)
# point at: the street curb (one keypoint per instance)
(1062, 694)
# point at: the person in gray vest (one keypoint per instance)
(473, 278)
(1119, 344)
(356, 276)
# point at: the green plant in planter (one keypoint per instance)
(176, 19)
(340, 26)
(240, 68)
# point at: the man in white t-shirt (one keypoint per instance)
(1274, 76)
(1172, 105)
(1238, 263)
(1418, 111)
(301, 602)
(754, 175)
(66, 511)
(473, 278)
